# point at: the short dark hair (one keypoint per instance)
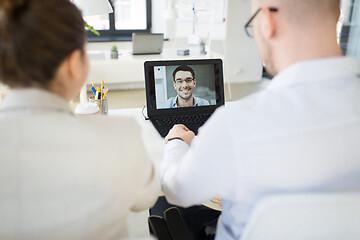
(184, 68)
(36, 36)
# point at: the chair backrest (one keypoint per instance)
(176, 225)
(323, 216)
(159, 228)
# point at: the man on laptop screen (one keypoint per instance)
(184, 84)
(183, 91)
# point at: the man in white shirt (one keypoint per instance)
(301, 134)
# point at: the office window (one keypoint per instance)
(349, 33)
(129, 16)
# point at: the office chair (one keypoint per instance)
(159, 228)
(176, 225)
(171, 227)
(322, 216)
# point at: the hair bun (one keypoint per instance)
(10, 6)
(7, 9)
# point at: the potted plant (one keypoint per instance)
(114, 52)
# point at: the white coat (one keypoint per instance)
(68, 177)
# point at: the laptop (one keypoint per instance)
(147, 43)
(187, 99)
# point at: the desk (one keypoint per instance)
(128, 70)
(152, 140)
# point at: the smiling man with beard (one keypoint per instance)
(184, 84)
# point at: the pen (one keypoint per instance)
(105, 93)
(98, 94)
(102, 87)
(93, 88)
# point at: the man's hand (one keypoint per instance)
(181, 131)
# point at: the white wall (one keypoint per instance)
(185, 28)
(242, 63)
(158, 9)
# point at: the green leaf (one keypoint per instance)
(91, 29)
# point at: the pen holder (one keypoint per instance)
(103, 104)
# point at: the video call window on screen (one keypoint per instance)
(184, 86)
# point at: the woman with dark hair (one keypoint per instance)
(61, 176)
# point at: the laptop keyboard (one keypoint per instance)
(182, 119)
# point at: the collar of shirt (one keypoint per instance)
(174, 102)
(315, 70)
(34, 99)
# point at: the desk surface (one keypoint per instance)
(128, 68)
(100, 57)
(152, 140)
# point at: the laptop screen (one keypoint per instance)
(184, 84)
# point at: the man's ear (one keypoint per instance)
(269, 23)
(174, 84)
(194, 83)
(74, 64)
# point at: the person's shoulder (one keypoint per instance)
(243, 110)
(170, 100)
(256, 103)
(167, 103)
(109, 126)
(201, 101)
(116, 134)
